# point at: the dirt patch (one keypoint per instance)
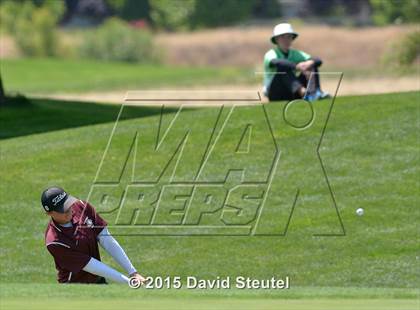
(249, 92)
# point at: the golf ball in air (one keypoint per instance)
(360, 212)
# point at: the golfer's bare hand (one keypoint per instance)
(305, 65)
(138, 277)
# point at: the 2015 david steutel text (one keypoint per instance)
(192, 282)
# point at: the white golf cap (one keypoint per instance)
(282, 29)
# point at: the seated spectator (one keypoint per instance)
(289, 73)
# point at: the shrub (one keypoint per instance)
(37, 37)
(32, 27)
(409, 50)
(405, 52)
(115, 40)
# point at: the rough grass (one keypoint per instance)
(58, 75)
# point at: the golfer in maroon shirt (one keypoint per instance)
(72, 238)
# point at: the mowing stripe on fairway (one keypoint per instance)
(205, 303)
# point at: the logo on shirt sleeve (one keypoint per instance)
(88, 222)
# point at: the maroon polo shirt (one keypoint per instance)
(72, 247)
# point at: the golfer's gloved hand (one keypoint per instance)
(138, 277)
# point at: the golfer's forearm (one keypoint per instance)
(100, 269)
(282, 64)
(115, 250)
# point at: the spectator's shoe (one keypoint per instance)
(310, 97)
(317, 95)
(322, 95)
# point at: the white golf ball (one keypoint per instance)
(360, 212)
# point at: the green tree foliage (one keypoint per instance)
(211, 13)
(391, 11)
(12, 10)
(190, 14)
(117, 5)
(267, 9)
(178, 14)
(131, 9)
(172, 14)
(56, 8)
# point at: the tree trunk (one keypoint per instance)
(2, 93)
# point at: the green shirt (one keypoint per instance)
(294, 56)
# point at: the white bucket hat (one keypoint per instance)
(282, 29)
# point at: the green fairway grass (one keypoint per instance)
(16, 296)
(58, 75)
(370, 153)
(36, 117)
(207, 304)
